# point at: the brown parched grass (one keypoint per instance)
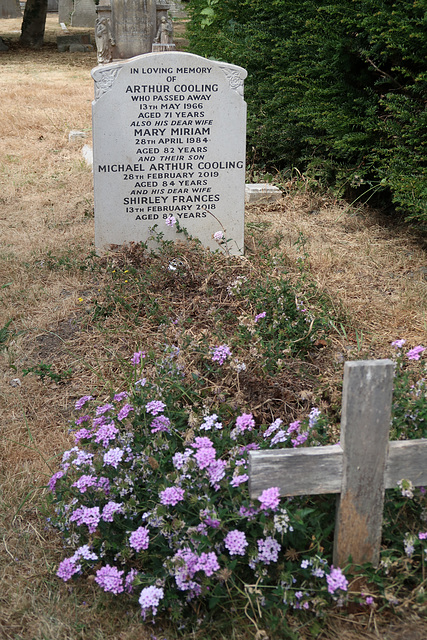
(373, 271)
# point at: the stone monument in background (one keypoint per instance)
(128, 28)
(84, 14)
(10, 9)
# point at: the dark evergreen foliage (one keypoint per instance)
(337, 89)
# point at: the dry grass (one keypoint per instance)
(373, 272)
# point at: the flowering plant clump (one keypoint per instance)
(152, 498)
(410, 393)
(160, 512)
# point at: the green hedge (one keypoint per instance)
(337, 89)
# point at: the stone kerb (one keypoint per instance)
(169, 132)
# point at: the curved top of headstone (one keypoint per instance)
(105, 75)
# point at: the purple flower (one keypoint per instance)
(398, 344)
(67, 568)
(300, 439)
(236, 543)
(313, 417)
(369, 600)
(129, 580)
(97, 422)
(80, 403)
(141, 382)
(53, 480)
(124, 411)
(170, 221)
(106, 433)
(180, 459)
(212, 522)
(202, 443)
(268, 550)
(273, 427)
(208, 563)
(221, 353)
(204, 457)
(216, 472)
(171, 495)
(120, 396)
(139, 539)
(218, 236)
(90, 516)
(280, 436)
(294, 426)
(113, 457)
(82, 434)
(104, 485)
(84, 552)
(154, 407)
(84, 482)
(415, 353)
(161, 423)
(103, 409)
(270, 498)
(136, 358)
(83, 457)
(336, 580)
(245, 422)
(209, 422)
(150, 597)
(110, 579)
(237, 480)
(422, 535)
(260, 316)
(248, 512)
(110, 509)
(82, 419)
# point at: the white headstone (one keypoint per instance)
(169, 132)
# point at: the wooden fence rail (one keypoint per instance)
(359, 469)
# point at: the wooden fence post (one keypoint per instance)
(365, 427)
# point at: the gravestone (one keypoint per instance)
(65, 9)
(10, 9)
(134, 27)
(169, 139)
(84, 14)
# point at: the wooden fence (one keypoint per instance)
(359, 469)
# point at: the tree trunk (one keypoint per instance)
(33, 24)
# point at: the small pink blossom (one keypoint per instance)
(270, 498)
(171, 221)
(415, 353)
(171, 496)
(136, 358)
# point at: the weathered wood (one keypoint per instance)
(318, 470)
(365, 426)
(359, 469)
(407, 459)
(297, 472)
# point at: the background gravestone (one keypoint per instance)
(65, 9)
(134, 27)
(84, 14)
(10, 9)
(169, 134)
